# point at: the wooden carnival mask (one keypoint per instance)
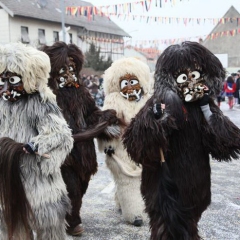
(190, 84)
(130, 87)
(11, 86)
(67, 75)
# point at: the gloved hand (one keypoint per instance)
(109, 151)
(158, 110)
(204, 100)
(30, 148)
(204, 104)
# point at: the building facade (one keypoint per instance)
(38, 22)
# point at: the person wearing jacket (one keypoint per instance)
(229, 89)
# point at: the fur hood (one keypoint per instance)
(121, 67)
(188, 55)
(33, 65)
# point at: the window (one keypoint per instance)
(24, 35)
(41, 36)
(70, 35)
(55, 36)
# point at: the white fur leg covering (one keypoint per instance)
(129, 197)
(118, 206)
(52, 233)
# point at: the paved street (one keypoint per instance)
(221, 221)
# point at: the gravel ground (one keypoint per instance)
(221, 221)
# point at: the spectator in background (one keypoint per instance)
(96, 93)
(101, 82)
(220, 97)
(93, 84)
(229, 89)
(87, 81)
(83, 77)
(235, 77)
(237, 92)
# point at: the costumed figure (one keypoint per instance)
(34, 142)
(126, 85)
(174, 145)
(86, 121)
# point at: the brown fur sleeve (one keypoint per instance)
(144, 136)
(226, 136)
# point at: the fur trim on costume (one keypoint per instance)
(84, 118)
(126, 174)
(40, 194)
(30, 63)
(41, 123)
(16, 209)
(177, 191)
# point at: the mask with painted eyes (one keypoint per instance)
(11, 87)
(130, 88)
(191, 85)
(67, 76)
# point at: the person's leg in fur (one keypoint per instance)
(161, 206)
(230, 102)
(52, 233)
(117, 204)
(50, 220)
(127, 178)
(129, 198)
(76, 188)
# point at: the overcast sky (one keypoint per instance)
(141, 30)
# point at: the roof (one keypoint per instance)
(50, 10)
(226, 37)
(232, 16)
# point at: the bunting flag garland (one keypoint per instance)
(212, 36)
(156, 42)
(98, 39)
(122, 12)
(116, 9)
(120, 43)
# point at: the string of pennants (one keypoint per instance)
(91, 11)
(185, 21)
(139, 43)
(98, 39)
(117, 9)
(121, 7)
(89, 40)
(211, 36)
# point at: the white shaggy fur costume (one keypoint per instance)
(37, 119)
(126, 174)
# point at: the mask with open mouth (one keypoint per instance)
(130, 87)
(11, 86)
(67, 75)
(191, 85)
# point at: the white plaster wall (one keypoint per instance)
(4, 26)
(33, 26)
(11, 32)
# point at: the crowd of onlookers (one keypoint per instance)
(94, 84)
(231, 90)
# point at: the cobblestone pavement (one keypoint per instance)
(221, 221)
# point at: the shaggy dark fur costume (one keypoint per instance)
(86, 121)
(177, 191)
(16, 208)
